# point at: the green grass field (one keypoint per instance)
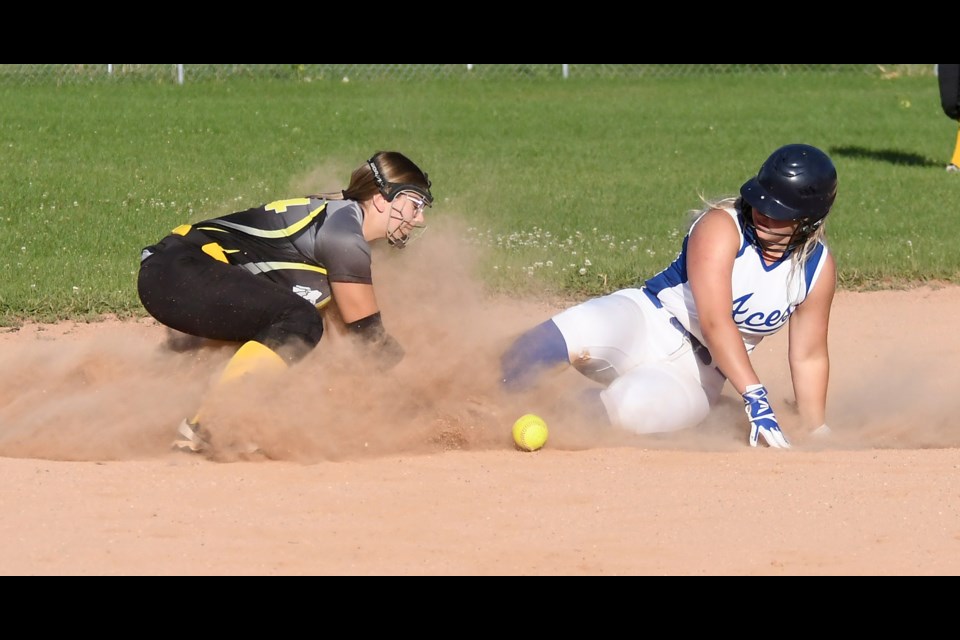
(573, 187)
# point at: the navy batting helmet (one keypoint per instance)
(797, 182)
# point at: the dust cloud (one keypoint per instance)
(114, 390)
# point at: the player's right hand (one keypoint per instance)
(763, 422)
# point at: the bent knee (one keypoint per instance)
(654, 403)
(294, 332)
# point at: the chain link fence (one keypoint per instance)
(181, 73)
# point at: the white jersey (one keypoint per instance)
(764, 296)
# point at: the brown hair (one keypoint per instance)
(397, 173)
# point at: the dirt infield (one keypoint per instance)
(415, 472)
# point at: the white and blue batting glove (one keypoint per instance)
(762, 420)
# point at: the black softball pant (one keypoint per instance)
(185, 289)
(948, 77)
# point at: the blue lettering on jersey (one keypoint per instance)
(757, 320)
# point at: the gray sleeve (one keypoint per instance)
(341, 248)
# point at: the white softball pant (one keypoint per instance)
(657, 382)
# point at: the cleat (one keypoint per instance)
(188, 438)
(952, 168)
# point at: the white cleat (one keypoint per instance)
(188, 438)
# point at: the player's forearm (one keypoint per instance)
(729, 354)
(379, 344)
(810, 382)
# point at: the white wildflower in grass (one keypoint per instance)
(587, 263)
(549, 263)
(582, 271)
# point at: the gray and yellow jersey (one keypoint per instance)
(302, 244)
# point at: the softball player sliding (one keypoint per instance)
(259, 277)
(748, 267)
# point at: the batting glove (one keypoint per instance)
(762, 420)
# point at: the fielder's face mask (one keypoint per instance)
(407, 202)
(406, 219)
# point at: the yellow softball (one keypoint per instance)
(530, 432)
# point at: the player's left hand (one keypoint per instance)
(823, 431)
